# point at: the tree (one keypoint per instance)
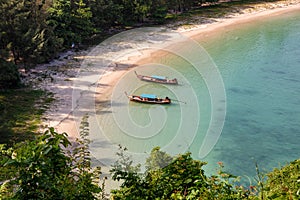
(157, 160)
(9, 75)
(158, 10)
(182, 178)
(106, 14)
(71, 20)
(123, 169)
(142, 8)
(24, 32)
(42, 169)
(179, 178)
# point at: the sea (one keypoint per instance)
(237, 102)
(260, 65)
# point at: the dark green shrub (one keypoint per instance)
(284, 183)
(9, 75)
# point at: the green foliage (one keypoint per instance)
(106, 14)
(158, 10)
(42, 169)
(35, 31)
(89, 177)
(9, 75)
(180, 178)
(71, 20)
(224, 185)
(183, 178)
(284, 183)
(21, 110)
(157, 160)
(24, 32)
(123, 169)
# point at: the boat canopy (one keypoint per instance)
(159, 77)
(149, 96)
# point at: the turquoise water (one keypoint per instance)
(259, 63)
(260, 66)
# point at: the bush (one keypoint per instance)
(44, 169)
(182, 178)
(9, 75)
(284, 183)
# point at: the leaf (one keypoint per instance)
(47, 150)
(188, 181)
(10, 162)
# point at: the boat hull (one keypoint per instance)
(157, 80)
(139, 99)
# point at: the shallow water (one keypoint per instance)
(259, 63)
(260, 66)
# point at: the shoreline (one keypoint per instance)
(65, 123)
(62, 116)
(200, 33)
(239, 19)
(62, 119)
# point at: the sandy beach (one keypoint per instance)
(87, 88)
(61, 115)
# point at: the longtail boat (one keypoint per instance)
(157, 79)
(149, 98)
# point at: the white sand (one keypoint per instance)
(60, 116)
(63, 116)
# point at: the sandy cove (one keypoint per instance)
(198, 32)
(72, 66)
(61, 116)
(201, 31)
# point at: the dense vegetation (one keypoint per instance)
(36, 31)
(45, 168)
(41, 169)
(182, 177)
